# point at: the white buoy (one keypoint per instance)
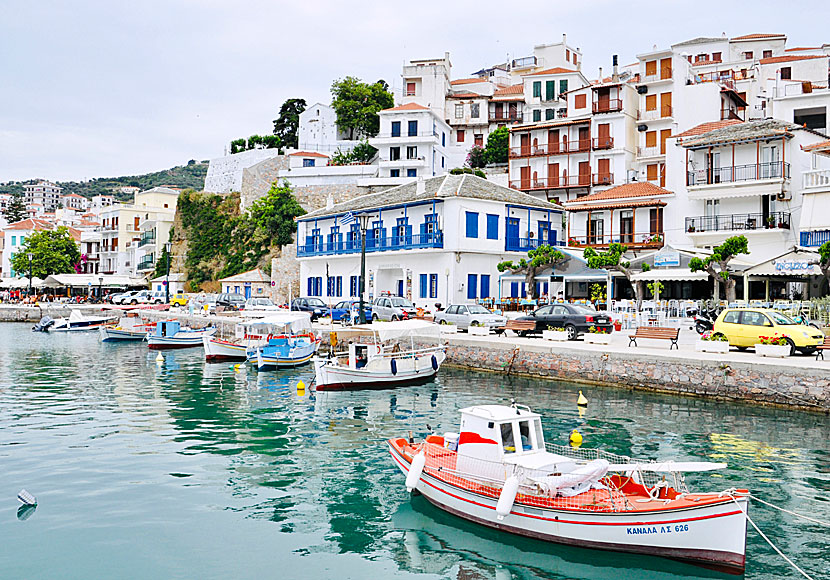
(507, 497)
(26, 497)
(159, 358)
(415, 470)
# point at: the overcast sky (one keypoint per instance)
(106, 88)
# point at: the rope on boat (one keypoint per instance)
(808, 518)
(773, 546)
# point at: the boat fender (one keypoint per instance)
(434, 363)
(507, 497)
(394, 364)
(415, 470)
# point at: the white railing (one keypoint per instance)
(648, 151)
(817, 178)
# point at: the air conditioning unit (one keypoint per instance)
(642, 128)
(642, 90)
(784, 196)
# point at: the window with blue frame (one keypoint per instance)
(429, 227)
(338, 286)
(315, 286)
(472, 224)
(514, 289)
(333, 238)
(543, 231)
(394, 173)
(330, 286)
(354, 287)
(376, 237)
(443, 142)
(14, 240)
(396, 128)
(413, 128)
(308, 162)
(492, 226)
(402, 234)
(433, 285)
(412, 173)
(353, 237)
(484, 292)
(423, 289)
(472, 286)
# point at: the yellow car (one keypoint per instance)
(178, 299)
(743, 326)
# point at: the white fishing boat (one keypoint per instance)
(376, 360)
(498, 471)
(129, 327)
(289, 341)
(247, 336)
(171, 334)
(77, 322)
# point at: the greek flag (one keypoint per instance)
(346, 219)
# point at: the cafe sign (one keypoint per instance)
(796, 267)
(667, 258)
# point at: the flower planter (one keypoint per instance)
(478, 331)
(716, 346)
(596, 338)
(448, 328)
(557, 335)
(773, 350)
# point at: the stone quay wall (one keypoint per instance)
(738, 381)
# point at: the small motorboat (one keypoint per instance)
(129, 327)
(499, 472)
(289, 341)
(78, 322)
(44, 324)
(171, 334)
(375, 360)
(247, 336)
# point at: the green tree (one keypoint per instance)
(497, 145)
(537, 259)
(717, 265)
(161, 263)
(824, 262)
(477, 157)
(16, 210)
(611, 260)
(357, 105)
(273, 215)
(287, 125)
(237, 146)
(54, 252)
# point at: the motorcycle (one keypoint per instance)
(705, 319)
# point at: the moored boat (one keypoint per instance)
(77, 322)
(128, 328)
(289, 341)
(247, 336)
(171, 334)
(498, 471)
(373, 362)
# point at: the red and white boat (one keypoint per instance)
(498, 471)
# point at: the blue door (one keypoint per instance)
(512, 232)
(247, 291)
(400, 287)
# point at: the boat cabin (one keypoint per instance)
(361, 353)
(168, 327)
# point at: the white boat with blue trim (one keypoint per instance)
(129, 327)
(171, 334)
(289, 341)
(77, 322)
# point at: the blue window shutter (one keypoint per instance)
(396, 128)
(485, 286)
(472, 282)
(514, 289)
(524, 289)
(472, 224)
(423, 292)
(492, 227)
(310, 287)
(408, 234)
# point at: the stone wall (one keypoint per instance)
(225, 173)
(257, 179)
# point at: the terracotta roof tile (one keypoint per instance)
(790, 58)
(817, 146)
(797, 48)
(307, 154)
(466, 96)
(617, 204)
(408, 107)
(626, 191)
(30, 224)
(512, 90)
(757, 36)
(467, 81)
(557, 70)
(706, 127)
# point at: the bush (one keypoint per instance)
(462, 170)
(477, 157)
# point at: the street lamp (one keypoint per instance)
(364, 224)
(31, 257)
(167, 247)
(100, 283)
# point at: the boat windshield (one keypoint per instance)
(524, 433)
(507, 438)
(540, 437)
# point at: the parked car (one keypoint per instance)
(392, 308)
(345, 310)
(116, 298)
(208, 300)
(466, 315)
(260, 304)
(743, 328)
(127, 297)
(230, 301)
(158, 297)
(314, 306)
(574, 318)
(178, 299)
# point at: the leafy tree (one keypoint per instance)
(161, 263)
(357, 105)
(271, 142)
(721, 256)
(611, 260)
(477, 157)
(273, 215)
(824, 262)
(54, 252)
(287, 125)
(16, 210)
(497, 145)
(538, 259)
(237, 146)
(361, 153)
(254, 142)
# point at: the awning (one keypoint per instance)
(20, 283)
(669, 275)
(796, 263)
(814, 214)
(402, 329)
(733, 190)
(586, 274)
(103, 280)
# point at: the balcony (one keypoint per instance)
(778, 220)
(557, 148)
(602, 179)
(814, 239)
(739, 173)
(147, 238)
(607, 106)
(731, 114)
(634, 241)
(816, 179)
(525, 244)
(562, 182)
(664, 74)
(505, 117)
(600, 143)
(146, 263)
(664, 112)
(389, 243)
(650, 151)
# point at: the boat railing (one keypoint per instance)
(408, 353)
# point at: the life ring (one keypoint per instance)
(394, 364)
(434, 363)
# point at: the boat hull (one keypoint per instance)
(713, 535)
(299, 357)
(120, 335)
(217, 350)
(81, 326)
(330, 377)
(178, 340)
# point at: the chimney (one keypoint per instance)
(564, 38)
(420, 186)
(600, 74)
(615, 76)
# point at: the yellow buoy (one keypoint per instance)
(575, 439)
(300, 389)
(236, 367)
(581, 400)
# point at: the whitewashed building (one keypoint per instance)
(434, 240)
(318, 131)
(44, 193)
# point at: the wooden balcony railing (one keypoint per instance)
(736, 173)
(637, 241)
(557, 148)
(561, 182)
(505, 117)
(607, 106)
(664, 112)
(600, 143)
(726, 114)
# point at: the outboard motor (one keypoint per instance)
(44, 325)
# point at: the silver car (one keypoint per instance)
(466, 315)
(392, 308)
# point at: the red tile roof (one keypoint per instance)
(706, 127)
(467, 81)
(790, 58)
(73, 195)
(797, 48)
(307, 154)
(512, 93)
(626, 191)
(408, 107)
(31, 224)
(616, 204)
(757, 36)
(557, 70)
(817, 146)
(466, 96)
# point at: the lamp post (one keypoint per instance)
(167, 247)
(100, 283)
(31, 257)
(361, 283)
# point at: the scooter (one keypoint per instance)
(705, 320)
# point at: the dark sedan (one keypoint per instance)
(575, 319)
(343, 311)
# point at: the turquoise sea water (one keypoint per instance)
(188, 470)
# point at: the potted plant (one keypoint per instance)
(597, 336)
(710, 342)
(691, 229)
(477, 329)
(774, 346)
(556, 333)
(770, 222)
(447, 328)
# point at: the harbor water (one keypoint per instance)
(182, 469)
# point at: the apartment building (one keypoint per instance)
(43, 193)
(15, 236)
(814, 225)
(74, 201)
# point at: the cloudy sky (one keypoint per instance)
(105, 88)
